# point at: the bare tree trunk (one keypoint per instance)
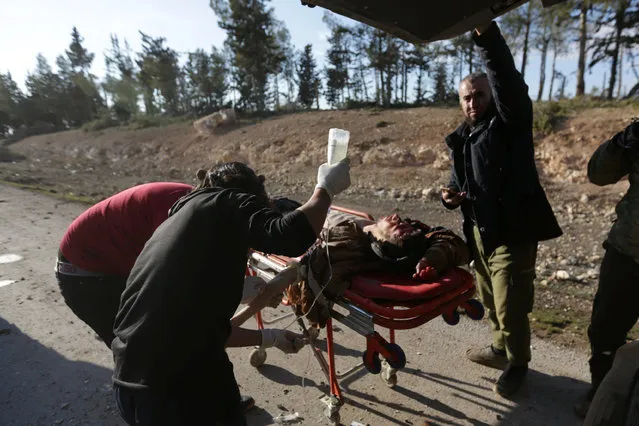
(542, 67)
(405, 84)
(418, 95)
(277, 92)
(375, 71)
(363, 76)
(524, 57)
(581, 64)
(389, 88)
(620, 72)
(619, 24)
(553, 74)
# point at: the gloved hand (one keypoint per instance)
(284, 340)
(253, 286)
(334, 179)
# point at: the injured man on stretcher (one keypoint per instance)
(350, 245)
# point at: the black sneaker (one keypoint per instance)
(247, 402)
(511, 380)
(488, 356)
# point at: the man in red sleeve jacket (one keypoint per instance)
(99, 249)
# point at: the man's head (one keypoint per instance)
(394, 238)
(232, 175)
(475, 97)
(391, 229)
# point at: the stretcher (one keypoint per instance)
(380, 299)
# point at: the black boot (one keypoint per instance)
(511, 380)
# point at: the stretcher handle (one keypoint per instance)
(274, 287)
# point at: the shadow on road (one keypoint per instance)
(40, 386)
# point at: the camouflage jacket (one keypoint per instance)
(613, 160)
(348, 250)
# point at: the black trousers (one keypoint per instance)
(614, 312)
(214, 399)
(95, 300)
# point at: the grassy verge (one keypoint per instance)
(51, 192)
(548, 115)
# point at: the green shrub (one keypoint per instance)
(142, 121)
(104, 121)
(547, 115)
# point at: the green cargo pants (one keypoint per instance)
(505, 286)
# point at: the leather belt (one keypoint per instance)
(66, 268)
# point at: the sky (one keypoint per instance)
(30, 27)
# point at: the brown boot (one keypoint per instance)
(488, 356)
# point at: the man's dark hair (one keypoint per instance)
(474, 76)
(232, 175)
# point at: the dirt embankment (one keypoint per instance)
(399, 160)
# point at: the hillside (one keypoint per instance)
(399, 151)
(399, 161)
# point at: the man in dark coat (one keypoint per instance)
(506, 213)
(615, 309)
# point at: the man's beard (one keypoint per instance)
(486, 116)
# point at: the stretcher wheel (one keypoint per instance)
(474, 309)
(258, 357)
(398, 353)
(373, 364)
(451, 317)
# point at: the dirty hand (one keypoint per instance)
(424, 272)
(253, 286)
(483, 27)
(452, 197)
(334, 178)
(284, 340)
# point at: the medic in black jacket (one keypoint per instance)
(173, 323)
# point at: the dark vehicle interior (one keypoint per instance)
(422, 21)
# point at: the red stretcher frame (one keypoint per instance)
(364, 315)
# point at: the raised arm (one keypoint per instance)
(613, 159)
(508, 87)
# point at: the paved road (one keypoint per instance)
(54, 371)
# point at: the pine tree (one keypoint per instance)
(307, 77)
(252, 38)
(84, 100)
(10, 98)
(120, 80)
(206, 78)
(158, 75)
(338, 58)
